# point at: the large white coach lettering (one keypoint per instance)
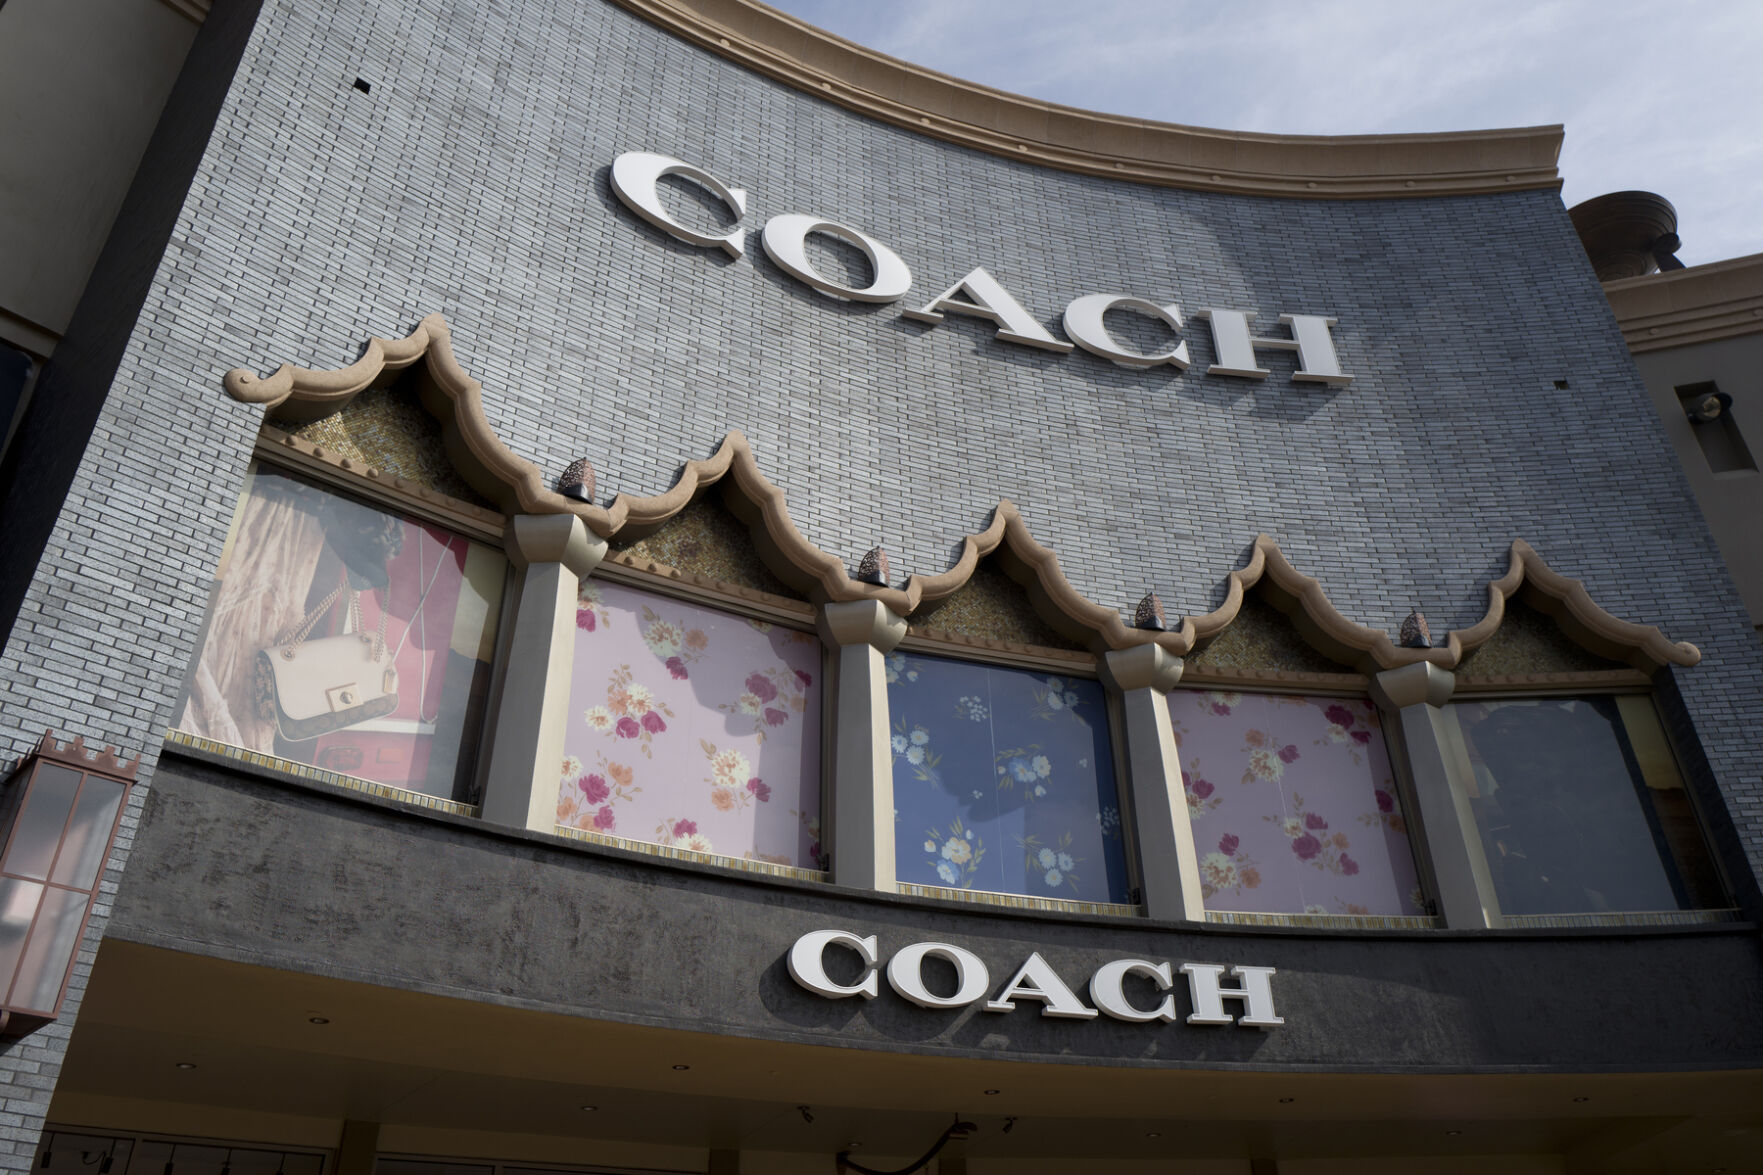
(636, 174)
(1036, 980)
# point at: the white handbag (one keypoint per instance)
(317, 687)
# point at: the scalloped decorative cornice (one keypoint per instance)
(1318, 621)
(518, 486)
(1037, 569)
(1064, 137)
(1571, 606)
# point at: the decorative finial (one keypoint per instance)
(1415, 634)
(1149, 614)
(578, 480)
(873, 567)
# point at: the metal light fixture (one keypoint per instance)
(1707, 408)
(60, 813)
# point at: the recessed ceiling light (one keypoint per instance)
(1152, 1134)
(852, 1145)
(993, 1092)
(318, 1019)
(681, 1068)
(186, 1064)
(1453, 1133)
(590, 1109)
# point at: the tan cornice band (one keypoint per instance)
(517, 486)
(1693, 305)
(1064, 137)
(1318, 621)
(1640, 645)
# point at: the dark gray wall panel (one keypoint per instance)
(368, 892)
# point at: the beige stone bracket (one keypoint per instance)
(861, 819)
(1169, 863)
(530, 693)
(1432, 770)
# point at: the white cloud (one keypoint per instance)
(1665, 99)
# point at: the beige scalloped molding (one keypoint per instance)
(1308, 607)
(1640, 645)
(1064, 137)
(516, 485)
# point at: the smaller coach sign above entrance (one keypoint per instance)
(636, 177)
(1037, 982)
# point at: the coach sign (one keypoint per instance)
(636, 176)
(1036, 981)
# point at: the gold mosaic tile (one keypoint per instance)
(1262, 637)
(1528, 641)
(388, 429)
(708, 539)
(992, 606)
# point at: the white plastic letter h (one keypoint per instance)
(1256, 994)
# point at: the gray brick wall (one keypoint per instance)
(472, 181)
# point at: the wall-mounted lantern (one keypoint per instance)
(60, 811)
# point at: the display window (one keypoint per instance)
(1293, 805)
(347, 637)
(693, 728)
(1004, 781)
(1581, 806)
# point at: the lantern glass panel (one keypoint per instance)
(51, 948)
(18, 906)
(88, 833)
(36, 836)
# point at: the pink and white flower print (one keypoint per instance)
(1312, 823)
(725, 710)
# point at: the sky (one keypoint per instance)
(1667, 98)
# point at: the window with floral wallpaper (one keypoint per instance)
(347, 637)
(1581, 807)
(692, 728)
(1293, 805)
(1003, 781)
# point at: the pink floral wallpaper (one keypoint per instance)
(692, 728)
(1293, 805)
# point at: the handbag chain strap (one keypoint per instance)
(295, 636)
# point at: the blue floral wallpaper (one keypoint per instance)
(1003, 781)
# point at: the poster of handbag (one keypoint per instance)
(317, 686)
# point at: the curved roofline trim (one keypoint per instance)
(787, 50)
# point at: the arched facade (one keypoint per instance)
(831, 597)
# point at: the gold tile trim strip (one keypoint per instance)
(1643, 918)
(319, 775)
(1328, 921)
(986, 897)
(678, 854)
